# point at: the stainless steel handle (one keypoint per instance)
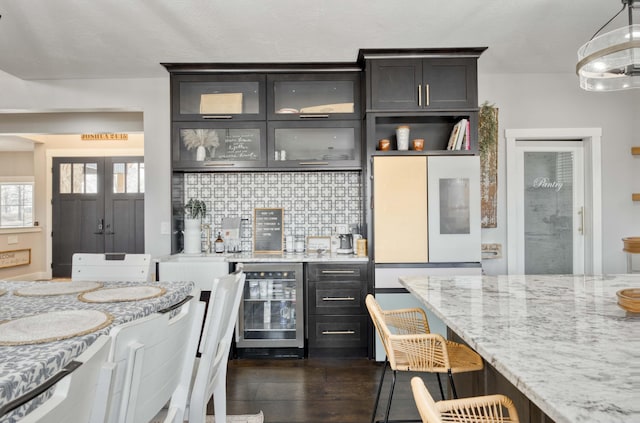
(426, 91)
(338, 332)
(314, 116)
(219, 164)
(217, 117)
(338, 272)
(338, 299)
(420, 95)
(314, 163)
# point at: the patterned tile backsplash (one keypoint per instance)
(313, 202)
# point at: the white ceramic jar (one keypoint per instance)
(402, 137)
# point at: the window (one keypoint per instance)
(16, 204)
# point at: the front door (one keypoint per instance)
(98, 207)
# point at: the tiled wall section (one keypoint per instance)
(313, 202)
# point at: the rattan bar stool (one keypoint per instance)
(410, 346)
(484, 409)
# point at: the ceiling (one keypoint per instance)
(62, 39)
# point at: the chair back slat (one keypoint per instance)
(210, 377)
(74, 397)
(154, 358)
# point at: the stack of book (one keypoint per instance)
(459, 138)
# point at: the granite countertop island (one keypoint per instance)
(561, 340)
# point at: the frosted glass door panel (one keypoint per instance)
(455, 217)
(548, 212)
(454, 208)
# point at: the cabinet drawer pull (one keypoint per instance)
(420, 95)
(338, 272)
(314, 163)
(219, 164)
(338, 332)
(314, 116)
(338, 299)
(217, 117)
(426, 91)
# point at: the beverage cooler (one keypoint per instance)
(271, 316)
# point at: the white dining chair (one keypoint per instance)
(110, 267)
(210, 371)
(76, 387)
(153, 359)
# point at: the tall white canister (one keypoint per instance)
(402, 137)
(192, 237)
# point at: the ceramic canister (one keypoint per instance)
(402, 137)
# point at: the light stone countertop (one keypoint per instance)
(250, 257)
(562, 340)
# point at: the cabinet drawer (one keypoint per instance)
(337, 272)
(345, 297)
(338, 331)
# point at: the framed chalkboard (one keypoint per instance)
(267, 230)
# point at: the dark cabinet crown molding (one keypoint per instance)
(178, 68)
(413, 53)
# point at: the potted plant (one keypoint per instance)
(201, 140)
(194, 211)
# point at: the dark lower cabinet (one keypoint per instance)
(337, 318)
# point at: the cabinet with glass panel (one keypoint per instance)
(314, 120)
(217, 97)
(218, 145)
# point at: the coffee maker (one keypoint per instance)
(346, 243)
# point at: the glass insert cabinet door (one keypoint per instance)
(211, 145)
(313, 96)
(334, 143)
(220, 97)
(552, 214)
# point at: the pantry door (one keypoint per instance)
(97, 207)
(550, 220)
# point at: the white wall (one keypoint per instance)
(150, 96)
(556, 101)
(524, 100)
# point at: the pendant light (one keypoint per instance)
(611, 61)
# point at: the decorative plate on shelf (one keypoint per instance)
(39, 289)
(52, 326)
(128, 293)
(629, 299)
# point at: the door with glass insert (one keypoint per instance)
(550, 211)
(97, 207)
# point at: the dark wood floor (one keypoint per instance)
(317, 390)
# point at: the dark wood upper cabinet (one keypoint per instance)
(220, 97)
(314, 96)
(421, 80)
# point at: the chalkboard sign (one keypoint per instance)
(267, 230)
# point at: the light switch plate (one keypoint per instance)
(12, 239)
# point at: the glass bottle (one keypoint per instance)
(219, 244)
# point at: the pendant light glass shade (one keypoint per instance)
(611, 61)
